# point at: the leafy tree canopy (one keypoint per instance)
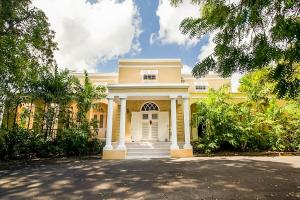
(26, 45)
(249, 35)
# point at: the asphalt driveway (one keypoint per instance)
(195, 178)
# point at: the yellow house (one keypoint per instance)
(147, 109)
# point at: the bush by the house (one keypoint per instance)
(259, 123)
(21, 143)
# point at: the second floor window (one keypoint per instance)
(201, 86)
(149, 75)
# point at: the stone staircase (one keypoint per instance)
(139, 150)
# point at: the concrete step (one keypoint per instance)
(143, 150)
(148, 155)
(145, 157)
(148, 144)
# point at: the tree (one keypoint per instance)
(250, 34)
(26, 49)
(86, 94)
(56, 89)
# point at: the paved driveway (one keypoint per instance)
(195, 178)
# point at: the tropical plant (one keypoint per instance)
(86, 94)
(249, 35)
(260, 123)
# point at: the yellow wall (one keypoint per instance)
(148, 90)
(165, 74)
(135, 106)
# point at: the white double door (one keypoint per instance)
(150, 126)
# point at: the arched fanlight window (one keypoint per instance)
(150, 107)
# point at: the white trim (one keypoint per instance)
(149, 85)
(113, 74)
(155, 94)
(165, 60)
(154, 66)
(203, 79)
(155, 72)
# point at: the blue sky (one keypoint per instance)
(149, 25)
(93, 34)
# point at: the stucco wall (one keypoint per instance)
(165, 74)
(135, 106)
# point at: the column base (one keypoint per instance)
(174, 147)
(121, 147)
(114, 154)
(181, 153)
(187, 146)
(108, 147)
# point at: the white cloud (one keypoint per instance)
(186, 69)
(169, 20)
(207, 49)
(91, 33)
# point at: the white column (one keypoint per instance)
(174, 144)
(186, 117)
(108, 145)
(121, 145)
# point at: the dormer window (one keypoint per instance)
(149, 75)
(201, 86)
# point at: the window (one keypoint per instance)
(155, 116)
(149, 75)
(150, 107)
(201, 86)
(101, 121)
(145, 116)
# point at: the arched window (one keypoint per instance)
(150, 107)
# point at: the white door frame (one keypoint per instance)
(149, 121)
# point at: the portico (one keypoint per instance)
(143, 113)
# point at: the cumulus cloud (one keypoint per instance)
(207, 49)
(186, 69)
(91, 33)
(169, 21)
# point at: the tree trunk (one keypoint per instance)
(15, 116)
(7, 118)
(28, 125)
(44, 118)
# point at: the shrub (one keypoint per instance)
(248, 126)
(21, 143)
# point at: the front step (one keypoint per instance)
(140, 150)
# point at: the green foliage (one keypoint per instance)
(29, 75)
(250, 35)
(21, 143)
(258, 124)
(85, 96)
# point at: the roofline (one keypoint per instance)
(149, 85)
(96, 74)
(149, 61)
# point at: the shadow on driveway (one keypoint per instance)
(194, 178)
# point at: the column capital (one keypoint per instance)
(122, 96)
(173, 96)
(185, 96)
(110, 96)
